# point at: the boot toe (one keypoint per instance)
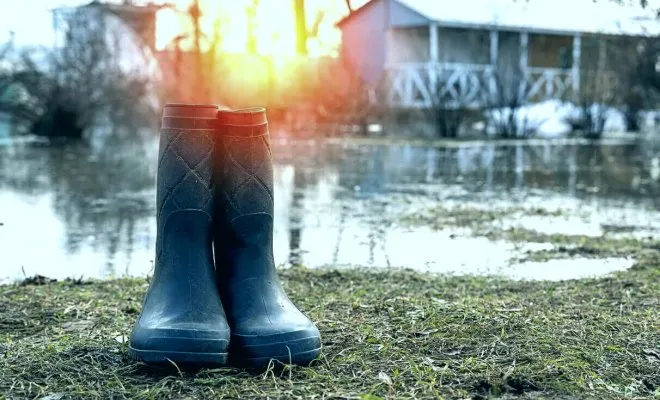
(257, 346)
(187, 344)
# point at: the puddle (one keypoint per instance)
(76, 211)
(565, 269)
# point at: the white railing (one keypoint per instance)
(549, 83)
(426, 85)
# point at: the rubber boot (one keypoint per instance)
(182, 319)
(265, 324)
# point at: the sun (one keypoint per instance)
(275, 29)
(229, 25)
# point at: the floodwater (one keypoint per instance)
(73, 210)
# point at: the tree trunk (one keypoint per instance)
(252, 27)
(349, 6)
(301, 27)
(195, 15)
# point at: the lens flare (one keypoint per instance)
(228, 26)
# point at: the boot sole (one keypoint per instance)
(158, 357)
(300, 351)
(189, 346)
(303, 358)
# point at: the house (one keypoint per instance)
(141, 19)
(423, 51)
(122, 33)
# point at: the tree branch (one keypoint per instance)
(349, 6)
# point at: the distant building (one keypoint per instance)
(418, 49)
(126, 33)
(108, 40)
(141, 19)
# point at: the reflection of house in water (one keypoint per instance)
(335, 211)
(421, 48)
(380, 166)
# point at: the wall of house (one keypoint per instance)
(605, 65)
(385, 33)
(469, 46)
(408, 45)
(472, 46)
(455, 45)
(401, 16)
(608, 52)
(550, 51)
(143, 22)
(508, 52)
(363, 41)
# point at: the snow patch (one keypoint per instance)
(550, 119)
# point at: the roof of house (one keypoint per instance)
(552, 16)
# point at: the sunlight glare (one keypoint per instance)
(274, 26)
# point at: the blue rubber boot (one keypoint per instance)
(182, 318)
(265, 324)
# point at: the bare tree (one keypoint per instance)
(195, 13)
(81, 83)
(455, 92)
(605, 87)
(645, 75)
(505, 94)
(597, 96)
(301, 27)
(303, 32)
(213, 84)
(252, 27)
(349, 6)
(448, 113)
(5, 74)
(346, 100)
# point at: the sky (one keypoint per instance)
(31, 22)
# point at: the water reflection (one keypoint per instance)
(71, 210)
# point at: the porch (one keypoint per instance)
(468, 67)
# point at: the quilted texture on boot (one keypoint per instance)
(182, 318)
(265, 324)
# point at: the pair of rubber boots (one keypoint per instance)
(215, 296)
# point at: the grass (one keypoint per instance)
(388, 334)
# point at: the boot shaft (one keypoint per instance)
(185, 163)
(243, 195)
(184, 207)
(265, 323)
(182, 318)
(245, 185)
